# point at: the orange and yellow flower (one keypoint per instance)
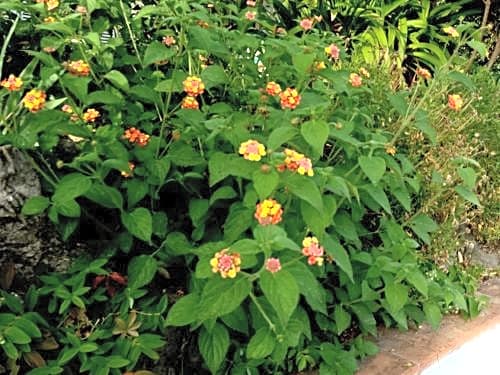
(289, 98)
(423, 73)
(226, 263)
(355, 80)
(134, 135)
(34, 100)
(319, 65)
(333, 51)
(51, 4)
(252, 150)
(273, 265)
(78, 68)
(455, 102)
(297, 162)
(268, 211)
(193, 86)
(12, 83)
(49, 19)
(313, 251)
(90, 115)
(190, 102)
(273, 88)
(131, 167)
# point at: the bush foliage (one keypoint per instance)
(204, 137)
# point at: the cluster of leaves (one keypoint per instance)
(190, 194)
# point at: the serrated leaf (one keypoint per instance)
(339, 254)
(282, 291)
(316, 134)
(139, 223)
(265, 182)
(261, 344)
(342, 319)
(213, 346)
(373, 167)
(141, 271)
(35, 205)
(396, 296)
(184, 311)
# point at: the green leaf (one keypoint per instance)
(316, 134)
(136, 191)
(141, 271)
(238, 221)
(69, 208)
(198, 208)
(184, 311)
(373, 167)
(467, 194)
(158, 171)
(468, 175)
(479, 47)
(282, 291)
(221, 165)
(28, 327)
(280, 136)
(339, 254)
(115, 361)
(222, 296)
(378, 194)
(265, 183)
(104, 195)
(423, 123)
(214, 75)
(338, 185)
(418, 280)
(433, 314)
(183, 155)
(118, 79)
(157, 52)
(139, 223)
(35, 205)
(305, 188)
(237, 320)
(398, 101)
(16, 335)
(246, 246)
(365, 317)
(422, 225)
(78, 86)
(462, 78)
(72, 186)
(303, 62)
(224, 192)
(261, 344)
(178, 244)
(213, 346)
(309, 286)
(342, 319)
(396, 296)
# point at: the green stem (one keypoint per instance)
(6, 43)
(263, 313)
(131, 34)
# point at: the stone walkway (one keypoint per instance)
(410, 352)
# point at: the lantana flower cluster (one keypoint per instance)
(268, 212)
(297, 162)
(78, 68)
(134, 135)
(12, 83)
(51, 4)
(252, 150)
(226, 263)
(455, 102)
(34, 100)
(313, 251)
(193, 86)
(289, 98)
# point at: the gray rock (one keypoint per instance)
(30, 243)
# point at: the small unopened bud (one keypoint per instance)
(59, 164)
(265, 168)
